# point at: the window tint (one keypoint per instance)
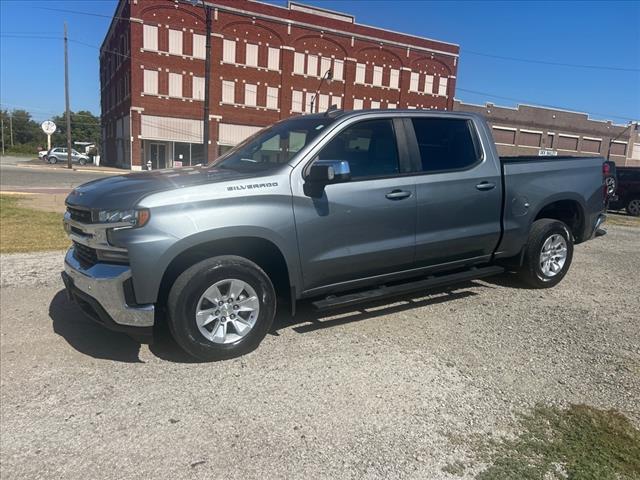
(445, 143)
(369, 147)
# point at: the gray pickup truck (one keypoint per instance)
(342, 207)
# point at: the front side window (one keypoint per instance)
(272, 146)
(369, 147)
(446, 143)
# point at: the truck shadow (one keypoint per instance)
(91, 339)
(86, 336)
(308, 319)
(507, 280)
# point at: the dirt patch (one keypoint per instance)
(622, 219)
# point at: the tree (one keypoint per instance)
(85, 127)
(25, 130)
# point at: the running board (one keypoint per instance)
(383, 291)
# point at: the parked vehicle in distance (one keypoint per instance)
(342, 207)
(627, 191)
(610, 180)
(59, 154)
(42, 154)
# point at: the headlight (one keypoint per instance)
(135, 218)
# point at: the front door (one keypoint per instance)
(158, 156)
(363, 227)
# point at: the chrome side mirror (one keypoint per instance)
(329, 171)
(323, 173)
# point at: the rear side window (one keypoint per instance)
(446, 143)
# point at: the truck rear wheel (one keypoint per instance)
(221, 308)
(548, 254)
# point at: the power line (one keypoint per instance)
(547, 62)
(519, 100)
(35, 37)
(471, 52)
(36, 109)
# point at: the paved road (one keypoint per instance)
(11, 160)
(13, 177)
(395, 390)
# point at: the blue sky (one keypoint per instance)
(603, 34)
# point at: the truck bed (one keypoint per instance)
(531, 183)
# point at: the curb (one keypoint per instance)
(75, 169)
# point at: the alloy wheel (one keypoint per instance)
(227, 311)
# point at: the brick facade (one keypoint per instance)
(526, 130)
(290, 49)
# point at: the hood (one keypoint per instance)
(125, 191)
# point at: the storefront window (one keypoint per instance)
(197, 154)
(222, 149)
(188, 153)
(181, 153)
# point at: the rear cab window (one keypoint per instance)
(446, 144)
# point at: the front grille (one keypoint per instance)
(87, 256)
(79, 215)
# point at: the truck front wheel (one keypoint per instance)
(548, 254)
(221, 308)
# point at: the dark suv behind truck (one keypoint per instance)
(627, 190)
(341, 208)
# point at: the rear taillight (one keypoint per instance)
(606, 169)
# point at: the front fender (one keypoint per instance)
(176, 230)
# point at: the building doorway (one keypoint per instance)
(158, 155)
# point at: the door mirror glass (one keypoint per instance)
(329, 171)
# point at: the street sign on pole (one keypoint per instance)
(49, 128)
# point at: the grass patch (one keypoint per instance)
(580, 442)
(28, 230)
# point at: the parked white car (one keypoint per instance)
(59, 154)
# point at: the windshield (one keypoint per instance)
(273, 146)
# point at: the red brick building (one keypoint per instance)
(266, 64)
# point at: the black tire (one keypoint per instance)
(82, 162)
(633, 207)
(190, 286)
(53, 160)
(531, 271)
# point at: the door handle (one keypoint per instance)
(398, 194)
(485, 186)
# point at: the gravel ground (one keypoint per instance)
(388, 391)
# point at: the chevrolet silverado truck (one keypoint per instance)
(341, 208)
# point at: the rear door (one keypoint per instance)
(365, 226)
(458, 190)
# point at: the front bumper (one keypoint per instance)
(100, 288)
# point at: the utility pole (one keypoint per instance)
(11, 128)
(2, 128)
(611, 141)
(66, 96)
(207, 79)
